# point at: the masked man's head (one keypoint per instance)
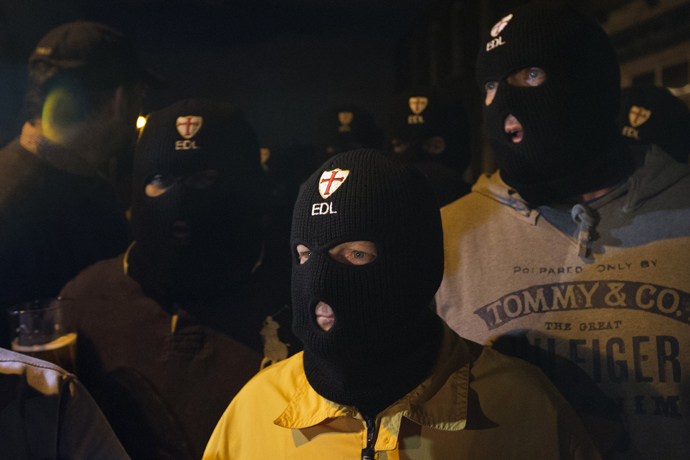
(429, 125)
(653, 115)
(551, 84)
(196, 211)
(368, 258)
(343, 128)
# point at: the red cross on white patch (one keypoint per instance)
(331, 180)
(418, 104)
(188, 126)
(638, 115)
(500, 25)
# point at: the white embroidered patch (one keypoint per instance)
(495, 30)
(418, 104)
(331, 181)
(500, 25)
(188, 126)
(638, 115)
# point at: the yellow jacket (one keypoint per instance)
(477, 404)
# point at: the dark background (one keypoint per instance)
(286, 61)
(283, 62)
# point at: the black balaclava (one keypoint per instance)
(571, 145)
(343, 128)
(221, 221)
(385, 338)
(652, 115)
(418, 115)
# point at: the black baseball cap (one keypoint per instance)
(95, 49)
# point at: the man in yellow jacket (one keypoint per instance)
(382, 376)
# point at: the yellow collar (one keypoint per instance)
(440, 402)
(125, 263)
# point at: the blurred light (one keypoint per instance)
(141, 121)
(60, 110)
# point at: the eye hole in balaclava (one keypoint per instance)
(161, 183)
(349, 253)
(528, 77)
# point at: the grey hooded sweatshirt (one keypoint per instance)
(597, 295)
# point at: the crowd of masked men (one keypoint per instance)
(361, 296)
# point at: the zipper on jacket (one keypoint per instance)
(368, 453)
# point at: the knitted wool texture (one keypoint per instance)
(224, 218)
(385, 338)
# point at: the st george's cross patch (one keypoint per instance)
(500, 25)
(495, 31)
(331, 180)
(638, 115)
(188, 126)
(418, 104)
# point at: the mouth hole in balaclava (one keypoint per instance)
(181, 229)
(513, 129)
(353, 253)
(324, 316)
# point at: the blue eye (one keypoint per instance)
(303, 253)
(531, 76)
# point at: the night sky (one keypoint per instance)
(283, 62)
